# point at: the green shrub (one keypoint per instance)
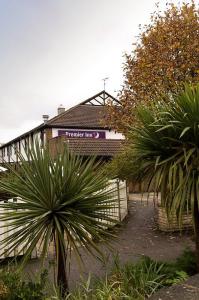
(184, 266)
(14, 288)
(177, 278)
(187, 262)
(141, 279)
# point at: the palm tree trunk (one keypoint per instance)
(196, 227)
(62, 281)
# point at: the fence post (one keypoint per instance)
(119, 204)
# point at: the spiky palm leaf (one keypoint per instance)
(166, 148)
(166, 153)
(66, 199)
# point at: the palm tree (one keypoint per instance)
(65, 199)
(166, 153)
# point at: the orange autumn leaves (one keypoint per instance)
(165, 56)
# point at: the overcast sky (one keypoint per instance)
(57, 52)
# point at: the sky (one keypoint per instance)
(58, 51)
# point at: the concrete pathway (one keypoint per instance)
(137, 236)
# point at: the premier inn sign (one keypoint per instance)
(83, 134)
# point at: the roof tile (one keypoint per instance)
(87, 146)
(87, 116)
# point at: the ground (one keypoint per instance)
(189, 290)
(137, 236)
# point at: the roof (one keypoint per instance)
(81, 116)
(89, 146)
(99, 147)
(87, 114)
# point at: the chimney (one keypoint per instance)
(45, 118)
(60, 109)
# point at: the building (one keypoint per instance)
(80, 127)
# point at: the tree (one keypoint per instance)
(165, 56)
(63, 199)
(166, 149)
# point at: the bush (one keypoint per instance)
(187, 262)
(12, 287)
(184, 265)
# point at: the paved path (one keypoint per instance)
(137, 236)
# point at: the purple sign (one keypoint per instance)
(82, 134)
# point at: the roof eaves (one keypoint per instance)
(78, 127)
(97, 95)
(91, 98)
